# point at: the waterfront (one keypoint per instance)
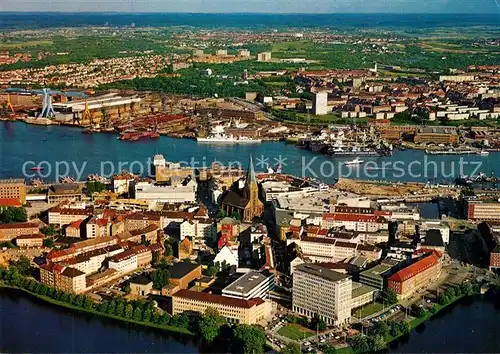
(469, 326)
(31, 325)
(103, 153)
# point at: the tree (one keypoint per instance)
(129, 311)
(127, 288)
(381, 329)
(181, 321)
(120, 308)
(111, 308)
(236, 215)
(160, 278)
(388, 296)
(211, 271)
(329, 349)
(48, 242)
(375, 343)
(147, 314)
(359, 343)
(221, 213)
(137, 314)
(291, 348)
(23, 265)
(169, 251)
(155, 257)
(317, 323)
(48, 230)
(13, 214)
(210, 323)
(249, 339)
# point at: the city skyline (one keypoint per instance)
(256, 6)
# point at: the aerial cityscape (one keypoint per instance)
(250, 182)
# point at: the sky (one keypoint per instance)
(258, 6)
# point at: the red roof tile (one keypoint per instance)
(218, 299)
(10, 202)
(415, 268)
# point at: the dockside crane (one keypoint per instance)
(46, 93)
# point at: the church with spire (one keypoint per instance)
(243, 197)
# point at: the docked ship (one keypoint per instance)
(218, 137)
(354, 162)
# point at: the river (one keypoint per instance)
(30, 325)
(64, 150)
(469, 326)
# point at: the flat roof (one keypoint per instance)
(359, 289)
(181, 269)
(378, 270)
(319, 271)
(247, 282)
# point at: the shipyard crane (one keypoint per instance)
(46, 93)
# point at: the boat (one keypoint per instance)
(218, 137)
(36, 168)
(356, 161)
(484, 153)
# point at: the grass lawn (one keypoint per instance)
(368, 310)
(295, 332)
(18, 45)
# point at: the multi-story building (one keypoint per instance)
(376, 276)
(124, 262)
(61, 216)
(144, 255)
(481, 210)
(11, 231)
(419, 275)
(182, 273)
(490, 235)
(13, 189)
(321, 291)
(63, 278)
(60, 192)
(97, 227)
(322, 249)
(28, 241)
(184, 191)
(264, 56)
(436, 135)
(254, 311)
(201, 231)
(138, 221)
(355, 219)
(251, 285)
(91, 262)
(362, 294)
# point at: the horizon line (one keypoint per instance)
(244, 13)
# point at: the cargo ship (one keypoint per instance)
(218, 137)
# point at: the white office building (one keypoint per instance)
(251, 285)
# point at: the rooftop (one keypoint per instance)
(416, 268)
(247, 282)
(218, 299)
(359, 289)
(319, 271)
(140, 279)
(181, 269)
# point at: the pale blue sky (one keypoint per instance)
(269, 6)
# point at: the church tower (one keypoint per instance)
(254, 207)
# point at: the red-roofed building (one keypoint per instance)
(253, 311)
(11, 231)
(10, 202)
(355, 219)
(74, 229)
(418, 275)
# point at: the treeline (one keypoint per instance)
(189, 85)
(13, 214)
(211, 328)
